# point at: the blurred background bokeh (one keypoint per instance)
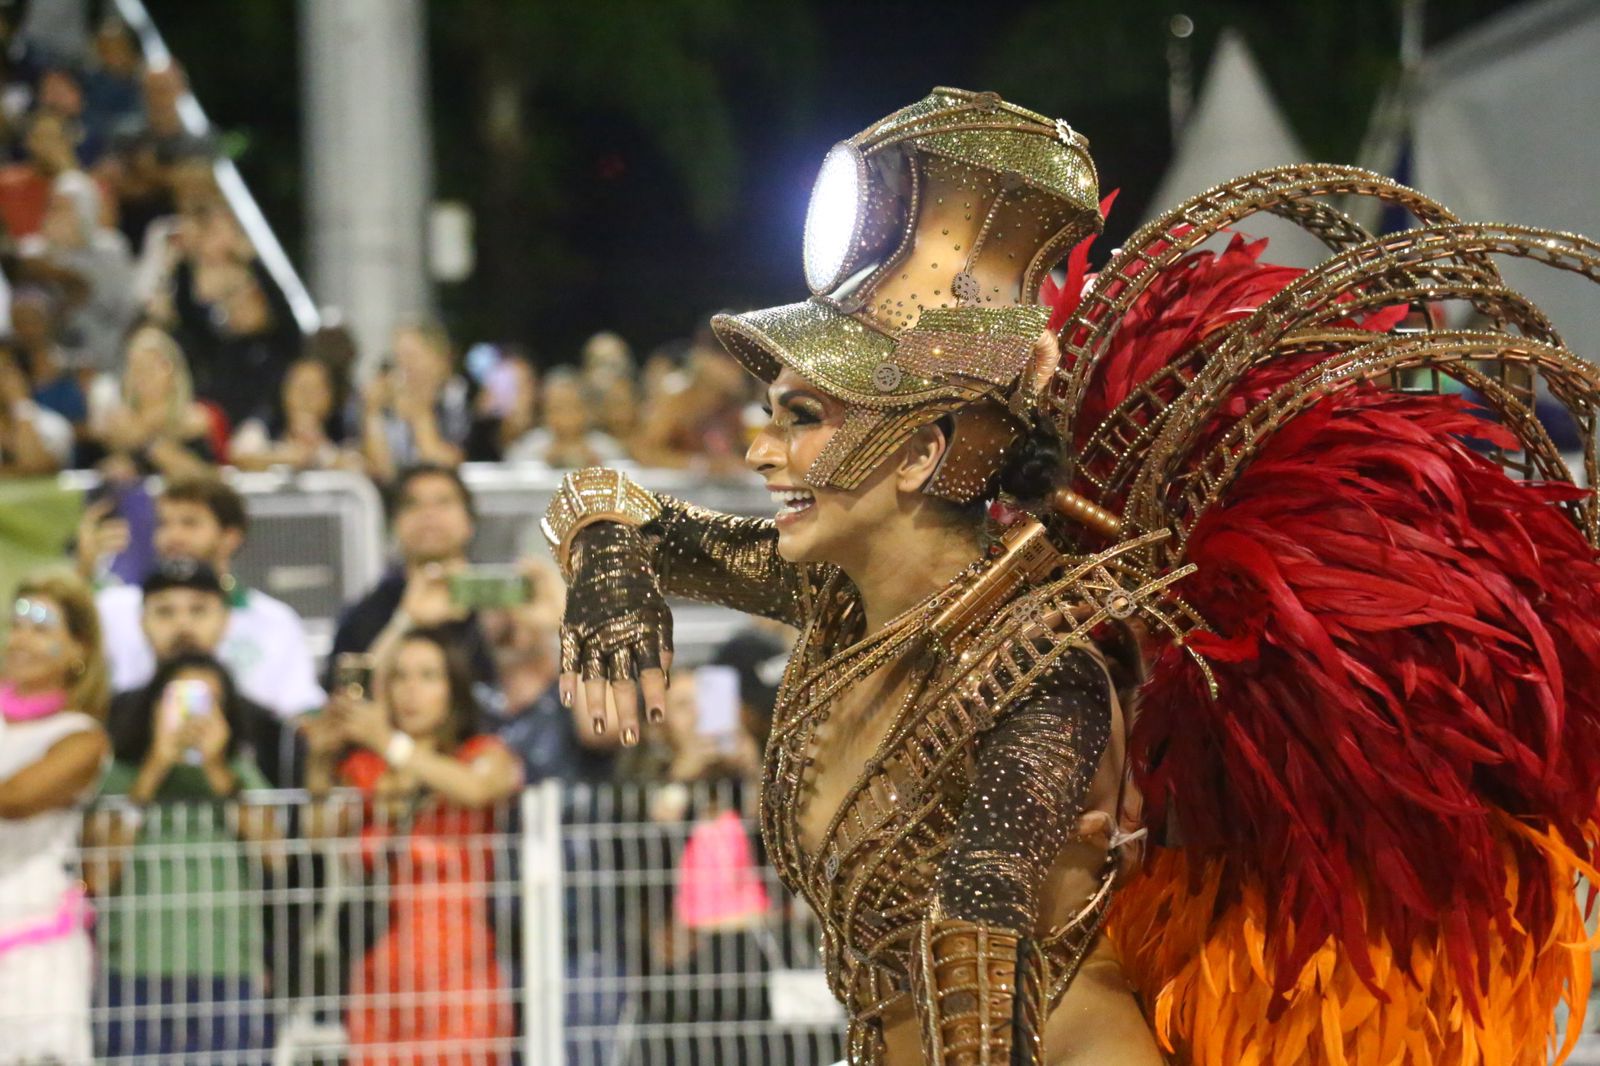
(634, 165)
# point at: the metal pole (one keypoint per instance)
(229, 181)
(1180, 73)
(368, 160)
(1413, 18)
(543, 952)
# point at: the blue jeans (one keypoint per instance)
(186, 1015)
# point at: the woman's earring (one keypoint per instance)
(78, 667)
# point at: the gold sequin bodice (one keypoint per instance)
(873, 878)
(939, 881)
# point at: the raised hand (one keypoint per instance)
(617, 630)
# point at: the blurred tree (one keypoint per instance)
(1105, 68)
(586, 112)
(634, 164)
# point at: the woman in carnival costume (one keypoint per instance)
(1198, 529)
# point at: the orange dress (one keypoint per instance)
(431, 990)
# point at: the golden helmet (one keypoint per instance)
(926, 241)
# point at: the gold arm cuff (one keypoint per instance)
(594, 494)
(979, 985)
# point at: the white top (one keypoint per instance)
(38, 853)
(534, 445)
(264, 647)
(54, 431)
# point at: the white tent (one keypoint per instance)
(1236, 127)
(1504, 124)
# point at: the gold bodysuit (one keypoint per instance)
(931, 884)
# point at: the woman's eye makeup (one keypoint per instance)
(792, 410)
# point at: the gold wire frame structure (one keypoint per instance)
(1161, 458)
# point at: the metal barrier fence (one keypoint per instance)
(602, 926)
(616, 926)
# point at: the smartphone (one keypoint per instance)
(490, 586)
(183, 699)
(480, 360)
(716, 705)
(352, 674)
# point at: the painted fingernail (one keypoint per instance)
(655, 714)
(599, 726)
(630, 736)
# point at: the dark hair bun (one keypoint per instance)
(1030, 470)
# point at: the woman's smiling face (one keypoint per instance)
(815, 524)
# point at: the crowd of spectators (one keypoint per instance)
(457, 710)
(140, 335)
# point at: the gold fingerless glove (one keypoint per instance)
(617, 623)
(980, 990)
(594, 494)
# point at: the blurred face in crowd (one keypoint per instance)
(194, 190)
(114, 49)
(63, 224)
(419, 363)
(566, 415)
(59, 92)
(220, 236)
(607, 353)
(432, 524)
(179, 620)
(49, 146)
(653, 377)
(40, 651)
(30, 323)
(419, 689)
(150, 373)
(619, 408)
(307, 391)
(162, 88)
(186, 529)
(524, 389)
(718, 379)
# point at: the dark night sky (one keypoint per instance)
(611, 237)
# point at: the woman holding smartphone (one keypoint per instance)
(176, 888)
(52, 751)
(432, 985)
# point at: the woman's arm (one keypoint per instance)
(692, 552)
(728, 560)
(622, 548)
(375, 449)
(58, 779)
(174, 459)
(977, 979)
(430, 442)
(491, 777)
(108, 834)
(323, 818)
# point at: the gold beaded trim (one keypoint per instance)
(594, 494)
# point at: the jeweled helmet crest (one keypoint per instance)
(928, 236)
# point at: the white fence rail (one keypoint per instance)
(615, 926)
